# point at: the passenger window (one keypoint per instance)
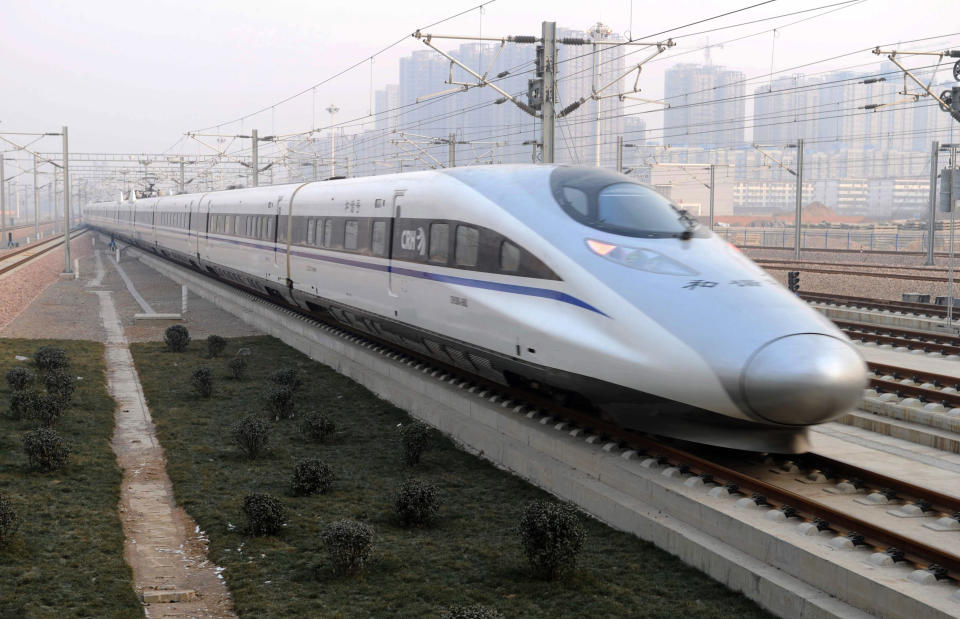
(229, 224)
(379, 238)
(350, 233)
(509, 256)
(238, 225)
(439, 242)
(311, 231)
(328, 233)
(271, 229)
(468, 245)
(317, 232)
(576, 199)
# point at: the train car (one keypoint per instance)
(576, 282)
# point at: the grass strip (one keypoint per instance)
(471, 554)
(67, 558)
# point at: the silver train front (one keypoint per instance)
(678, 336)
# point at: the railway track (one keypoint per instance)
(897, 337)
(848, 271)
(900, 307)
(22, 255)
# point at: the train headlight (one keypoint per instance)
(639, 258)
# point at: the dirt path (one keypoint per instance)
(164, 546)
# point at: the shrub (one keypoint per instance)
(474, 611)
(177, 338)
(280, 402)
(60, 384)
(417, 502)
(50, 358)
(9, 521)
(287, 377)
(215, 346)
(265, 514)
(202, 381)
(349, 544)
(251, 434)
(311, 476)
(20, 378)
(23, 404)
(317, 427)
(45, 449)
(414, 438)
(47, 409)
(238, 367)
(552, 536)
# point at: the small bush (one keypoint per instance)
(473, 611)
(265, 514)
(414, 437)
(349, 544)
(417, 502)
(215, 346)
(50, 358)
(60, 384)
(177, 338)
(552, 536)
(251, 434)
(280, 402)
(287, 377)
(9, 521)
(317, 427)
(45, 449)
(202, 381)
(311, 476)
(238, 367)
(23, 404)
(20, 378)
(47, 409)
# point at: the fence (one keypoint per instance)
(866, 240)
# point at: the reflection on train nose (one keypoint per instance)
(803, 379)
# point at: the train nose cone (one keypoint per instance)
(803, 379)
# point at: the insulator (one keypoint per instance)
(526, 108)
(523, 38)
(503, 74)
(571, 108)
(871, 106)
(574, 41)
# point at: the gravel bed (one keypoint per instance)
(19, 288)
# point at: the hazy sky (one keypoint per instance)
(133, 76)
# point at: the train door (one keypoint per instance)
(393, 283)
(202, 228)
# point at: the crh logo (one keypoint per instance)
(414, 240)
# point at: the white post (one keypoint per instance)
(118, 255)
(183, 299)
(76, 268)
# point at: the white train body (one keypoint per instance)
(516, 273)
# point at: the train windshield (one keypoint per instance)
(608, 202)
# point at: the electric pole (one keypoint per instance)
(931, 223)
(713, 184)
(452, 151)
(333, 109)
(548, 114)
(36, 201)
(256, 162)
(797, 217)
(182, 178)
(3, 205)
(67, 268)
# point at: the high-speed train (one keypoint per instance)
(578, 282)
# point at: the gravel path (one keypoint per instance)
(19, 288)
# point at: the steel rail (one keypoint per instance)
(880, 304)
